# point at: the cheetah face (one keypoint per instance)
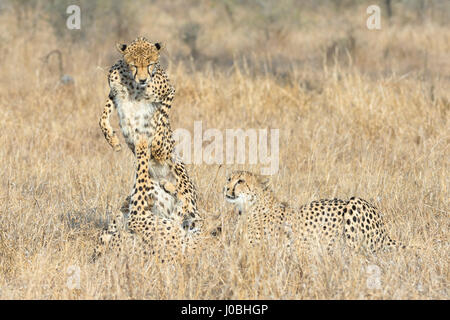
(241, 189)
(142, 57)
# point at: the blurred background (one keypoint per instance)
(267, 36)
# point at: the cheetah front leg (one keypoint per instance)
(106, 127)
(185, 192)
(162, 142)
(141, 202)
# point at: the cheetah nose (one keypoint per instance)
(143, 81)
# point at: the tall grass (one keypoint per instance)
(360, 113)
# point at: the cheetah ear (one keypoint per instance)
(159, 46)
(121, 47)
(264, 180)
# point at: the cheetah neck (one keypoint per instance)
(263, 202)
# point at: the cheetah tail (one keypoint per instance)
(393, 244)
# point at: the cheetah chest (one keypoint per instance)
(135, 118)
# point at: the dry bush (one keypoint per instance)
(371, 123)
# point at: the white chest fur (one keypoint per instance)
(134, 118)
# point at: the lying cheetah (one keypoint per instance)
(142, 94)
(145, 232)
(355, 221)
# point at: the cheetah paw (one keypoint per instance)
(169, 187)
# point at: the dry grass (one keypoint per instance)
(372, 122)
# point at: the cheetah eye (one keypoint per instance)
(150, 67)
(240, 181)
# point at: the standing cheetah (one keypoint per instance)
(145, 232)
(142, 94)
(355, 221)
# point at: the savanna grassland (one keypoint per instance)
(360, 112)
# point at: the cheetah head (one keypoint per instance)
(142, 57)
(243, 188)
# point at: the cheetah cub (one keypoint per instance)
(355, 221)
(141, 93)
